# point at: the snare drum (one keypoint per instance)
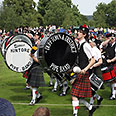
(108, 74)
(95, 81)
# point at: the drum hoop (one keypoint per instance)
(19, 39)
(3, 46)
(7, 49)
(11, 37)
(108, 70)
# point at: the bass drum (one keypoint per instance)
(17, 56)
(57, 53)
(3, 45)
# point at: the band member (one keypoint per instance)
(35, 76)
(109, 49)
(96, 69)
(65, 89)
(81, 88)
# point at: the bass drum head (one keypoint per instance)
(59, 53)
(17, 56)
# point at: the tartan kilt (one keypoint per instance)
(115, 70)
(35, 77)
(82, 87)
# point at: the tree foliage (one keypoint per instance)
(105, 15)
(23, 10)
(55, 13)
(9, 19)
(59, 13)
(111, 14)
(15, 13)
(42, 6)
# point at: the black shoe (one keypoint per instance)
(32, 103)
(50, 85)
(54, 90)
(74, 115)
(67, 89)
(26, 88)
(38, 99)
(99, 102)
(62, 94)
(92, 111)
(111, 98)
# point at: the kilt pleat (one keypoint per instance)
(81, 87)
(35, 77)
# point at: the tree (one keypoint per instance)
(100, 16)
(55, 13)
(9, 19)
(67, 2)
(42, 6)
(25, 9)
(111, 14)
(20, 6)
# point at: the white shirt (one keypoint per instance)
(87, 49)
(97, 53)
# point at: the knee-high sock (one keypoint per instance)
(51, 80)
(75, 105)
(65, 86)
(56, 83)
(113, 86)
(92, 99)
(34, 93)
(97, 96)
(83, 101)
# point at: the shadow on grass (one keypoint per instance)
(20, 99)
(15, 84)
(59, 111)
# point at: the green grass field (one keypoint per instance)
(12, 88)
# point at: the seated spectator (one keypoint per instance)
(42, 111)
(6, 108)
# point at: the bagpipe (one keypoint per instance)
(15, 50)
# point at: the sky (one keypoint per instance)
(86, 7)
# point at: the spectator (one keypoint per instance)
(6, 108)
(42, 111)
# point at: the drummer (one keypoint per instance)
(35, 75)
(109, 49)
(96, 69)
(81, 88)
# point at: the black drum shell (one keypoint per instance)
(57, 53)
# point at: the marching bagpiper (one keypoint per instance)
(81, 88)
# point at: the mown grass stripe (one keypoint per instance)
(62, 104)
